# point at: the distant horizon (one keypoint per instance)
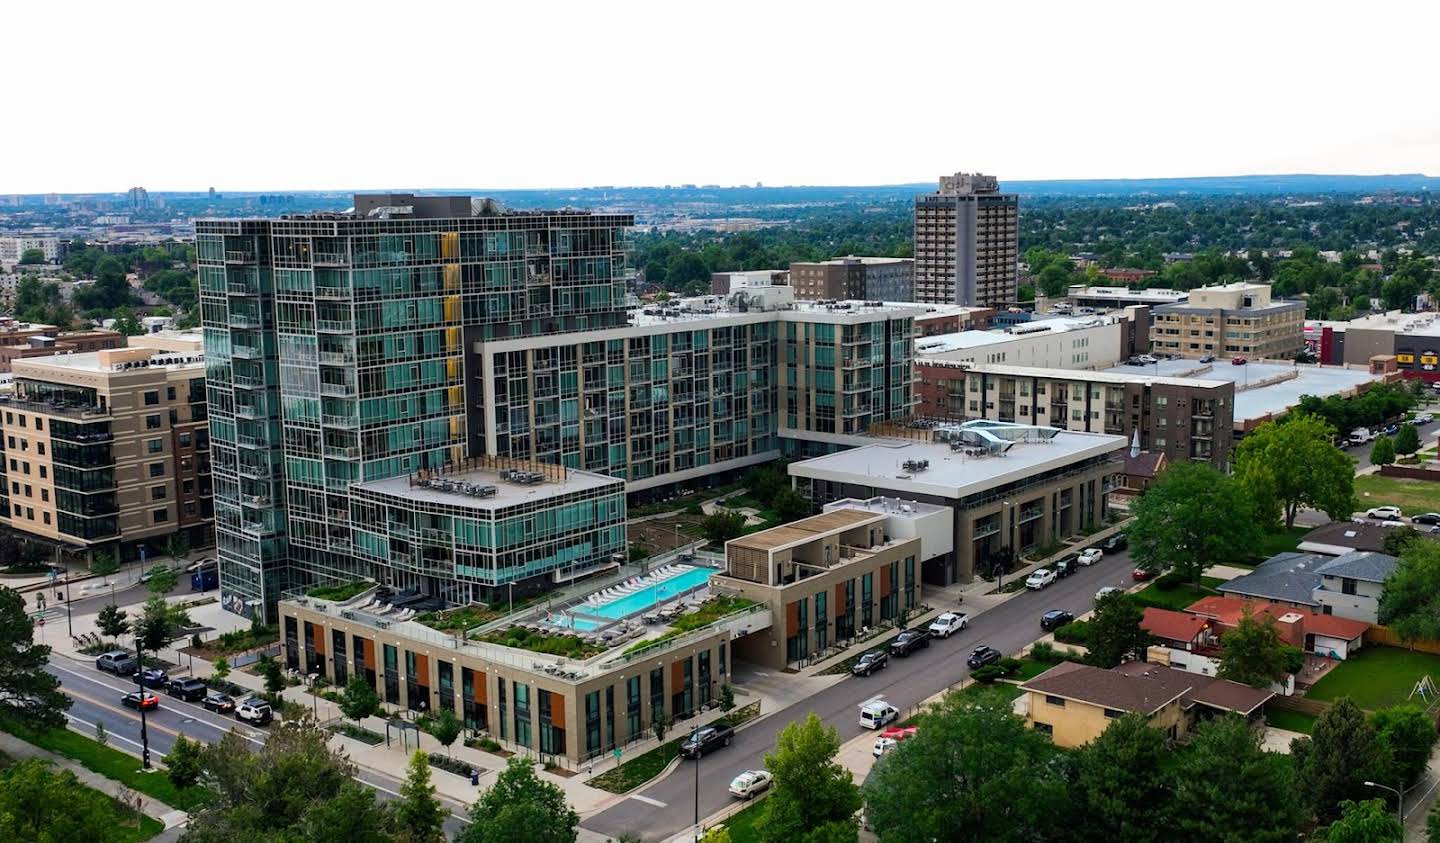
(699, 185)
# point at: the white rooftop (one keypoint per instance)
(976, 339)
(1117, 375)
(507, 493)
(952, 474)
(1155, 294)
(1260, 401)
(1418, 324)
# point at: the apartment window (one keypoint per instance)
(187, 486)
(152, 398)
(161, 515)
(157, 469)
(155, 446)
(45, 496)
(392, 675)
(174, 417)
(46, 516)
(157, 493)
(152, 422)
(40, 448)
(169, 393)
(39, 423)
(1058, 702)
(1347, 585)
(184, 440)
(190, 508)
(1044, 728)
(1114, 714)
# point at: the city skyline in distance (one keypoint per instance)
(648, 94)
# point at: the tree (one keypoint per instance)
(177, 547)
(727, 697)
(294, 781)
(269, 668)
(31, 257)
(973, 773)
(112, 622)
(1254, 654)
(1410, 601)
(418, 815)
(1397, 538)
(790, 504)
(446, 727)
(221, 669)
(813, 797)
(1114, 633)
(1405, 737)
(154, 625)
(163, 579)
(660, 725)
(29, 696)
(723, 525)
(1191, 518)
(359, 699)
(184, 763)
(1383, 451)
(716, 835)
(104, 564)
(1407, 440)
(1293, 464)
(519, 806)
(1226, 787)
(47, 806)
(1333, 763)
(1369, 821)
(1120, 782)
(127, 324)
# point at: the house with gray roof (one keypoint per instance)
(1348, 585)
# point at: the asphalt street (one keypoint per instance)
(666, 808)
(1361, 453)
(97, 700)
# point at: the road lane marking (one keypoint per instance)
(134, 716)
(648, 801)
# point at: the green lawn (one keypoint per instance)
(1176, 598)
(1006, 689)
(1030, 668)
(1282, 540)
(1376, 677)
(1294, 721)
(647, 765)
(741, 824)
(117, 765)
(1412, 496)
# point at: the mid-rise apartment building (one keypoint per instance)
(1239, 320)
(851, 277)
(22, 344)
(13, 248)
(1184, 418)
(109, 450)
(967, 243)
(1087, 342)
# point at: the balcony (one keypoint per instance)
(253, 442)
(254, 471)
(346, 422)
(242, 288)
(255, 500)
(1030, 514)
(247, 382)
(337, 358)
(340, 390)
(245, 352)
(343, 452)
(256, 528)
(331, 259)
(242, 320)
(239, 256)
(250, 411)
(55, 408)
(332, 292)
(334, 326)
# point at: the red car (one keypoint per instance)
(1238, 361)
(899, 733)
(1141, 575)
(140, 700)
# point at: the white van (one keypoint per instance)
(875, 714)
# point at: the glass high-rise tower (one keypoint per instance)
(335, 354)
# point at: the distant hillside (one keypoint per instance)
(1229, 185)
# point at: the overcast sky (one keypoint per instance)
(306, 95)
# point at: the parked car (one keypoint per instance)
(1090, 555)
(1141, 574)
(1238, 361)
(983, 655)
(1133, 361)
(140, 700)
(1148, 359)
(190, 690)
(1107, 591)
(1429, 519)
(883, 745)
(1054, 619)
(1391, 429)
(1067, 566)
(909, 641)
(900, 733)
(1384, 513)
(1424, 418)
(1040, 578)
(876, 714)
(705, 740)
(1207, 358)
(1115, 542)
(751, 782)
(218, 702)
(118, 662)
(154, 677)
(948, 624)
(254, 710)
(870, 662)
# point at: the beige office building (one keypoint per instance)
(967, 243)
(1230, 320)
(109, 450)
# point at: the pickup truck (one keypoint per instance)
(705, 740)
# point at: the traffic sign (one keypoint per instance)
(617, 753)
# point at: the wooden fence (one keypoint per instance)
(1384, 636)
(1300, 704)
(1410, 472)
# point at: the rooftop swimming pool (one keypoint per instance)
(635, 602)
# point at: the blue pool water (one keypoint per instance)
(637, 602)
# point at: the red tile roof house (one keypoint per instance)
(1312, 632)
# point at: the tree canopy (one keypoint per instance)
(1292, 464)
(29, 696)
(41, 805)
(813, 798)
(1253, 652)
(1226, 787)
(1114, 633)
(1410, 602)
(1121, 787)
(1369, 821)
(1333, 763)
(519, 806)
(1192, 517)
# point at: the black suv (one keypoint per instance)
(870, 662)
(909, 641)
(1067, 566)
(983, 655)
(154, 677)
(190, 689)
(1054, 619)
(1116, 542)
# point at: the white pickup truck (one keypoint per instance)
(1361, 435)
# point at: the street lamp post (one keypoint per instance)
(511, 586)
(698, 756)
(1399, 796)
(144, 723)
(1000, 574)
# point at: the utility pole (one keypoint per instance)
(144, 723)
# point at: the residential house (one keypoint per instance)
(1348, 585)
(1074, 703)
(1342, 537)
(1325, 635)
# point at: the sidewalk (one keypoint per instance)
(16, 748)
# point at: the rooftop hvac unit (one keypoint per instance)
(507, 473)
(489, 491)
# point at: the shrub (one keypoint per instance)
(487, 744)
(1008, 665)
(449, 765)
(694, 509)
(1074, 633)
(988, 673)
(1044, 651)
(1170, 581)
